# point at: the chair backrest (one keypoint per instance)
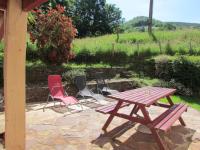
(80, 82)
(100, 80)
(55, 85)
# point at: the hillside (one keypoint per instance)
(177, 41)
(185, 24)
(137, 23)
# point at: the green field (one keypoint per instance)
(191, 101)
(179, 41)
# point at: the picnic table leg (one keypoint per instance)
(134, 110)
(112, 114)
(153, 131)
(171, 103)
(157, 138)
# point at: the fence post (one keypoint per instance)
(138, 48)
(160, 47)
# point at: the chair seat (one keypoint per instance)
(67, 100)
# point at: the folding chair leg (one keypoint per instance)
(81, 106)
(158, 139)
(47, 102)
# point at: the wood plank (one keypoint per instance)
(163, 115)
(132, 118)
(31, 4)
(1, 24)
(165, 120)
(3, 4)
(14, 75)
(143, 96)
(109, 108)
(173, 119)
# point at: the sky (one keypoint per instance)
(164, 10)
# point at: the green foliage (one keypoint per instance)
(53, 33)
(191, 101)
(142, 21)
(134, 42)
(1, 52)
(145, 81)
(108, 57)
(169, 50)
(184, 70)
(181, 88)
(32, 52)
(168, 26)
(162, 68)
(67, 4)
(91, 17)
(70, 75)
(187, 72)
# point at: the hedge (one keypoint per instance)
(181, 69)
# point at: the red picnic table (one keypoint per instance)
(141, 99)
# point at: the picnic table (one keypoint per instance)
(141, 99)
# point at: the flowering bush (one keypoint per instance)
(53, 32)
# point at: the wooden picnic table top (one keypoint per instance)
(145, 96)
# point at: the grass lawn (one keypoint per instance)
(179, 40)
(191, 101)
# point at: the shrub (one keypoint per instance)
(187, 72)
(181, 51)
(163, 68)
(110, 57)
(169, 50)
(31, 52)
(70, 75)
(181, 89)
(54, 33)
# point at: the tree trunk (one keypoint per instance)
(150, 17)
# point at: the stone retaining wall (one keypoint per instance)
(39, 93)
(40, 74)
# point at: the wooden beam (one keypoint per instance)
(150, 16)
(30, 4)
(1, 24)
(14, 75)
(3, 4)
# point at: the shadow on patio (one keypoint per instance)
(82, 131)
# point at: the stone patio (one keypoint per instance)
(53, 130)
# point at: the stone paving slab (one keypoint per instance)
(51, 130)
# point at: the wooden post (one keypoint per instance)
(160, 47)
(14, 75)
(150, 16)
(1, 24)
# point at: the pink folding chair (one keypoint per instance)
(57, 93)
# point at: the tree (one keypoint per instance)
(91, 17)
(113, 18)
(68, 6)
(150, 17)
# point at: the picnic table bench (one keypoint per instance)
(141, 99)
